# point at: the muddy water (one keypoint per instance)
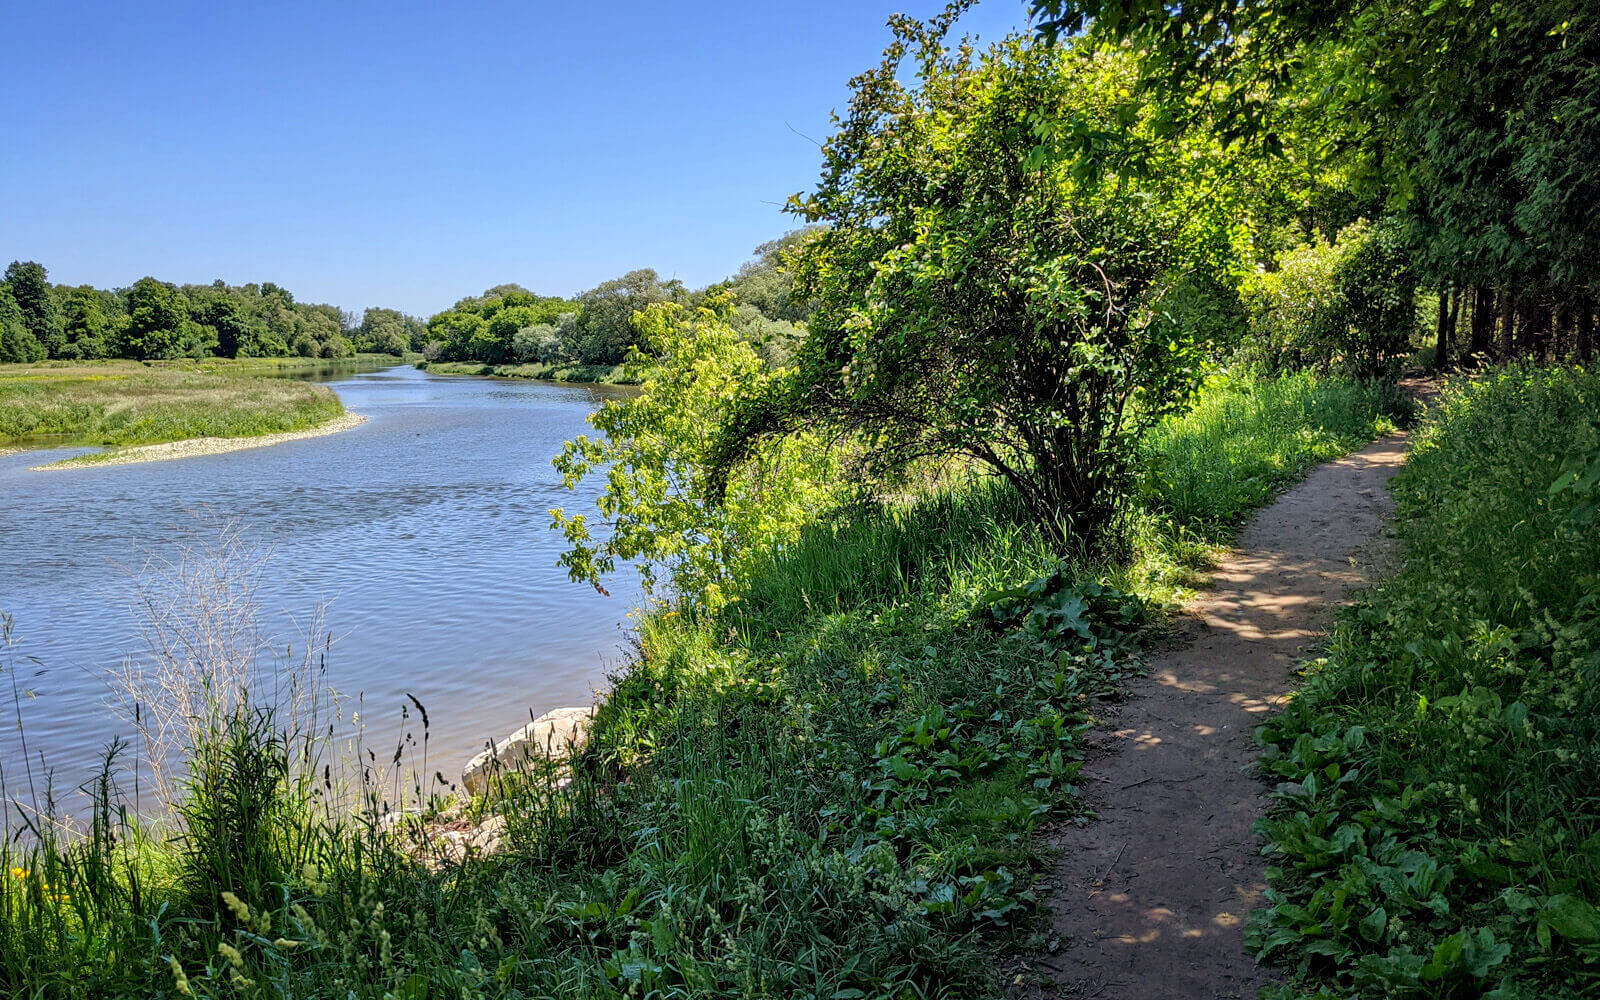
(424, 532)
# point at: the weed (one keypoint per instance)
(1437, 832)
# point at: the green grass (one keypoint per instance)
(829, 788)
(1437, 826)
(1244, 440)
(610, 374)
(1246, 437)
(118, 404)
(291, 366)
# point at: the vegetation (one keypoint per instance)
(825, 786)
(1021, 318)
(655, 450)
(1471, 127)
(905, 492)
(156, 319)
(116, 404)
(512, 332)
(1435, 829)
(609, 374)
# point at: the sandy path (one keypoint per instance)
(1149, 900)
(201, 446)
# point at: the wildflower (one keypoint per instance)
(19, 873)
(230, 953)
(284, 944)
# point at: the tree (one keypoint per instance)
(92, 320)
(980, 293)
(383, 331)
(238, 333)
(1476, 121)
(606, 313)
(767, 282)
(30, 287)
(156, 317)
(17, 343)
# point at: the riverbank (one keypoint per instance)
(192, 447)
(287, 367)
(832, 786)
(120, 404)
(604, 374)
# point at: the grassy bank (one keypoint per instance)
(1437, 829)
(122, 403)
(609, 374)
(285, 367)
(829, 788)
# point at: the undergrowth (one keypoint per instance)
(827, 788)
(1437, 827)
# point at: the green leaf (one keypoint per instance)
(1573, 918)
(1372, 926)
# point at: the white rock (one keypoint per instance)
(553, 734)
(488, 835)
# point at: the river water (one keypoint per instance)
(425, 531)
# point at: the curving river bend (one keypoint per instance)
(426, 531)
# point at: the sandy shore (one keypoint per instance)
(201, 446)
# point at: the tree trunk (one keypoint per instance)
(1585, 343)
(1482, 321)
(1441, 348)
(1508, 319)
(1527, 324)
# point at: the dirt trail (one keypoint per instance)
(1149, 900)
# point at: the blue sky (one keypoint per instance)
(408, 154)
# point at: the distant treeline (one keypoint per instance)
(508, 323)
(157, 319)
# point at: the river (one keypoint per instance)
(425, 531)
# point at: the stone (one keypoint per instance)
(486, 839)
(552, 735)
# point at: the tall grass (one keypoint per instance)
(1247, 436)
(828, 788)
(1437, 829)
(125, 403)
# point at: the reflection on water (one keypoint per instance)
(425, 530)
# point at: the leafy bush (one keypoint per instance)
(987, 294)
(1346, 306)
(1437, 826)
(659, 511)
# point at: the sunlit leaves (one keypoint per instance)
(652, 449)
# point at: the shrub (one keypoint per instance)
(984, 294)
(658, 503)
(1345, 306)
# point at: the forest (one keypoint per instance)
(152, 320)
(507, 324)
(918, 495)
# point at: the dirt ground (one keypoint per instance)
(1149, 900)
